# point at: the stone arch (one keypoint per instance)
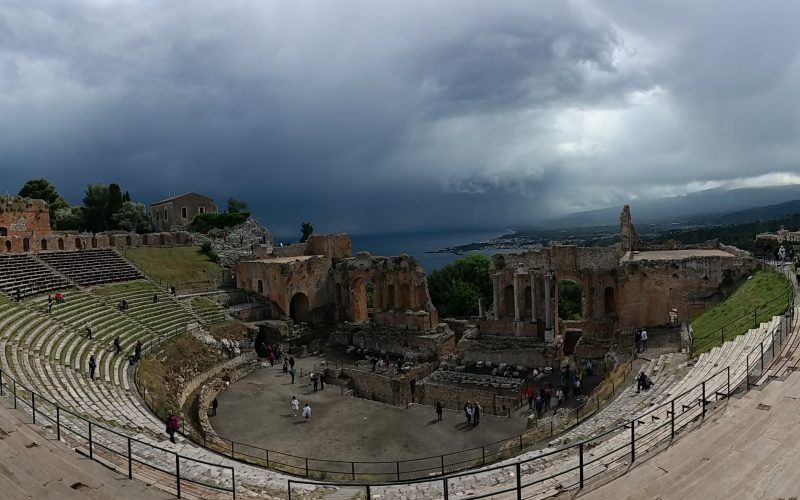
(299, 308)
(112, 241)
(94, 241)
(8, 245)
(405, 296)
(508, 300)
(390, 299)
(3, 231)
(570, 299)
(61, 243)
(128, 241)
(260, 287)
(608, 300)
(78, 244)
(43, 246)
(26, 244)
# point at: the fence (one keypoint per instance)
(773, 306)
(611, 452)
(124, 454)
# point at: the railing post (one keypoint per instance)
(91, 455)
(130, 460)
(204, 441)
(520, 442)
(446, 493)
(33, 406)
(1, 382)
(761, 348)
(672, 420)
(704, 399)
(755, 318)
(633, 441)
(369, 493)
(577, 415)
(580, 462)
(729, 381)
(519, 482)
(233, 482)
(178, 473)
(232, 449)
(306, 467)
(442, 457)
(398, 470)
(483, 452)
(58, 423)
(353, 470)
(15, 393)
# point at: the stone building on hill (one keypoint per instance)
(180, 210)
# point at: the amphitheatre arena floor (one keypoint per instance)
(255, 410)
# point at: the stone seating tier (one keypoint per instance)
(89, 267)
(24, 274)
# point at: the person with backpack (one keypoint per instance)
(173, 424)
(439, 411)
(92, 366)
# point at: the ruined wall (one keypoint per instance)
(68, 241)
(335, 246)
(23, 217)
(455, 396)
(650, 289)
(410, 345)
(395, 391)
(522, 351)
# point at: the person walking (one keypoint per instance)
(117, 347)
(292, 372)
(214, 405)
(92, 366)
(468, 412)
(307, 412)
(285, 367)
(476, 414)
(173, 424)
(291, 361)
(295, 404)
(314, 380)
(644, 340)
(89, 330)
(529, 392)
(439, 411)
(538, 404)
(49, 303)
(321, 377)
(637, 337)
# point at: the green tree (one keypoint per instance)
(132, 217)
(96, 213)
(126, 196)
(115, 201)
(569, 300)
(306, 230)
(236, 206)
(370, 289)
(454, 285)
(41, 189)
(68, 219)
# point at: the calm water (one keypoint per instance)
(417, 244)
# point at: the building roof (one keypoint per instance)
(173, 198)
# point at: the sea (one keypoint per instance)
(419, 244)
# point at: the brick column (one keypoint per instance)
(496, 294)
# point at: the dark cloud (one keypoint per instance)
(369, 116)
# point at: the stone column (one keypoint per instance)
(496, 295)
(516, 296)
(534, 277)
(548, 307)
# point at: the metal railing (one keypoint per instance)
(610, 452)
(124, 454)
(775, 305)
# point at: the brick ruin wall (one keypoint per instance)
(409, 345)
(23, 217)
(82, 241)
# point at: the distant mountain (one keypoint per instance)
(713, 206)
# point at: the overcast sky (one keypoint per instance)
(376, 116)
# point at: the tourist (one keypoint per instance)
(291, 361)
(285, 367)
(538, 404)
(313, 379)
(559, 396)
(173, 424)
(644, 340)
(89, 330)
(476, 414)
(59, 298)
(92, 366)
(641, 382)
(117, 347)
(439, 411)
(548, 395)
(321, 377)
(214, 405)
(155, 298)
(18, 295)
(292, 372)
(307, 412)
(49, 303)
(577, 387)
(588, 367)
(295, 404)
(380, 365)
(530, 393)
(375, 360)
(638, 340)
(468, 412)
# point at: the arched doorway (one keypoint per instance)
(508, 300)
(3, 231)
(78, 244)
(43, 245)
(26, 244)
(260, 287)
(8, 245)
(405, 296)
(112, 241)
(94, 242)
(145, 239)
(390, 303)
(609, 300)
(570, 300)
(298, 308)
(127, 241)
(61, 244)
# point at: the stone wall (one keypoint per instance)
(454, 396)
(396, 391)
(23, 217)
(69, 241)
(523, 351)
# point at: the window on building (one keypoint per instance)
(202, 210)
(183, 213)
(165, 214)
(156, 214)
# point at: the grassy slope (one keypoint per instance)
(767, 293)
(176, 265)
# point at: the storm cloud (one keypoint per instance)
(374, 116)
